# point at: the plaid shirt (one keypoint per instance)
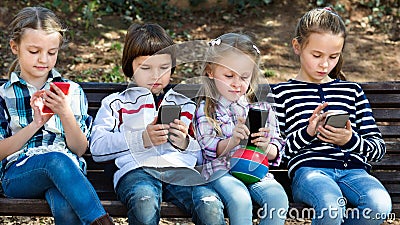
(16, 113)
(227, 113)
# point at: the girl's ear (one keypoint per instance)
(14, 47)
(209, 71)
(296, 46)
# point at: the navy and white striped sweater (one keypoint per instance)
(295, 102)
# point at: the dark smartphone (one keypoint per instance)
(168, 113)
(255, 120)
(64, 86)
(338, 120)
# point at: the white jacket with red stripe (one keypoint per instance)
(119, 124)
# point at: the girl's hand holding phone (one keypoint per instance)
(261, 138)
(36, 102)
(262, 141)
(316, 119)
(240, 131)
(335, 135)
(55, 100)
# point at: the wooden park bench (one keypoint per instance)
(385, 101)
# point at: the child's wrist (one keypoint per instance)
(35, 126)
(272, 152)
(185, 145)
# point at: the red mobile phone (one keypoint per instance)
(64, 86)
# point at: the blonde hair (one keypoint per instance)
(37, 18)
(227, 43)
(322, 20)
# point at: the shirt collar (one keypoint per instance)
(225, 103)
(15, 78)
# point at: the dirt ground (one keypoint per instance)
(91, 55)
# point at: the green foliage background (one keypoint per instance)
(84, 15)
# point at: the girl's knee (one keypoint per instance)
(243, 204)
(280, 201)
(59, 163)
(379, 202)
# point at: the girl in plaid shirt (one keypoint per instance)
(40, 152)
(230, 80)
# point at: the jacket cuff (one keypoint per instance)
(303, 133)
(352, 143)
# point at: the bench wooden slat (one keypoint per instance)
(392, 146)
(24, 207)
(39, 207)
(389, 161)
(381, 87)
(386, 114)
(390, 131)
(389, 101)
(387, 177)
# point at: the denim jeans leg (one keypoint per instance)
(142, 195)
(31, 178)
(207, 206)
(316, 187)
(271, 196)
(239, 208)
(366, 193)
(180, 196)
(61, 209)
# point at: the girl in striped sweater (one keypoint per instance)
(329, 165)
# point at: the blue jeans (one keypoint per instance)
(267, 193)
(54, 176)
(329, 190)
(143, 193)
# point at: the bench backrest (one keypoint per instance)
(385, 102)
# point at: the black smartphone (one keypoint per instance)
(168, 113)
(338, 120)
(256, 119)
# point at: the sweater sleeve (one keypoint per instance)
(295, 141)
(206, 134)
(366, 139)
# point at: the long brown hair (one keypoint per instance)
(322, 20)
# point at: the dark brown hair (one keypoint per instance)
(146, 40)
